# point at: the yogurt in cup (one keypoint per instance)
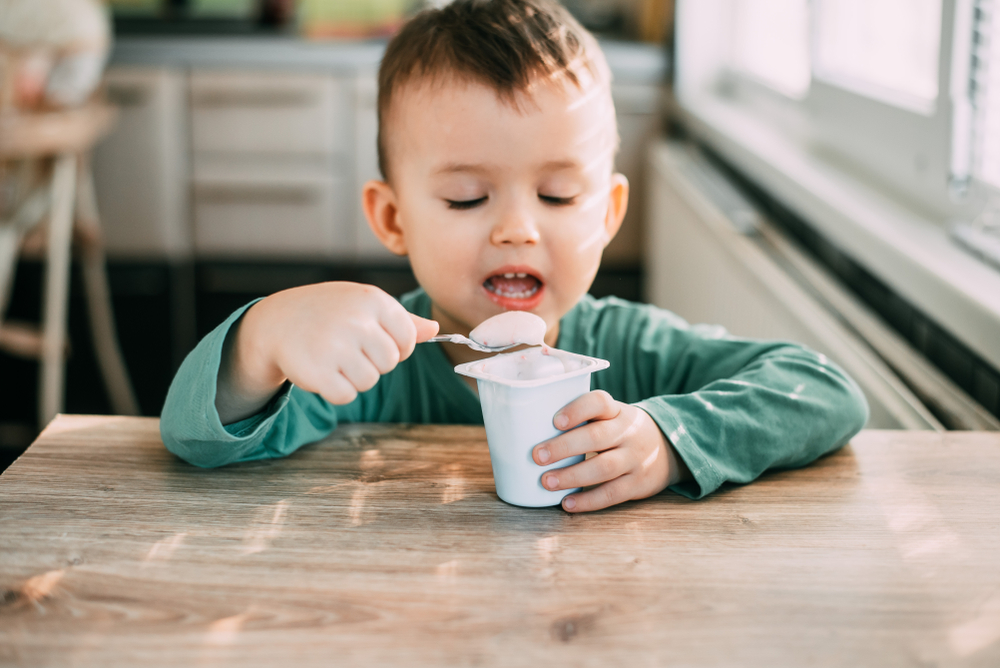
(520, 393)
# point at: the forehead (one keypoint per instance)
(455, 121)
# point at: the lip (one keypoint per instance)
(509, 303)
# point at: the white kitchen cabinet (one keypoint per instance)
(270, 113)
(140, 169)
(272, 165)
(713, 258)
(272, 218)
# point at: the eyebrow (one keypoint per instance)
(556, 165)
(458, 167)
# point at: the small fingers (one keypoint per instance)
(405, 328)
(425, 328)
(398, 324)
(359, 372)
(596, 405)
(381, 350)
(335, 388)
(607, 495)
(602, 468)
(593, 437)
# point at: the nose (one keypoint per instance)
(516, 227)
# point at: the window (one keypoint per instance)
(867, 80)
(979, 158)
(985, 93)
(771, 43)
(905, 93)
(886, 150)
(887, 49)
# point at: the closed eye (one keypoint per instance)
(466, 204)
(557, 201)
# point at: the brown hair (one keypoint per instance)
(505, 44)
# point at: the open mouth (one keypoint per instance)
(512, 289)
(513, 285)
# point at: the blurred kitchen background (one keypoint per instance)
(816, 170)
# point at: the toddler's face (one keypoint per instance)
(502, 208)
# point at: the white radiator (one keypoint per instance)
(712, 258)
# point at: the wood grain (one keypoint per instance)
(386, 545)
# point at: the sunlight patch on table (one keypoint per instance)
(454, 489)
(163, 550)
(924, 539)
(447, 571)
(547, 547)
(979, 632)
(41, 586)
(266, 526)
(224, 631)
(357, 507)
(371, 459)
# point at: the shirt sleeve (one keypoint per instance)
(732, 407)
(190, 424)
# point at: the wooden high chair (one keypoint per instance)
(47, 154)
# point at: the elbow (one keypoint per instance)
(861, 411)
(855, 410)
(202, 455)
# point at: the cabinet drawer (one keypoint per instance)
(268, 112)
(140, 168)
(272, 218)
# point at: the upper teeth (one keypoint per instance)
(513, 275)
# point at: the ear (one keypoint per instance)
(382, 212)
(617, 205)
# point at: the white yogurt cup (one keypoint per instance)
(520, 393)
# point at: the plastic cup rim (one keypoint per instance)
(591, 364)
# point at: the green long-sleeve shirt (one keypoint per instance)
(732, 408)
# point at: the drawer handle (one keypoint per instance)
(127, 96)
(253, 98)
(255, 194)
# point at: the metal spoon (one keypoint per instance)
(458, 338)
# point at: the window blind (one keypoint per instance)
(985, 92)
(982, 235)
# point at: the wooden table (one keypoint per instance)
(386, 545)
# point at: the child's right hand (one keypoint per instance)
(334, 339)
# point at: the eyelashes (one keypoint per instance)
(466, 204)
(557, 201)
(462, 205)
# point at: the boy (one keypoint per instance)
(497, 137)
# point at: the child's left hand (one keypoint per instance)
(634, 460)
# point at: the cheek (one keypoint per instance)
(444, 252)
(576, 262)
(583, 237)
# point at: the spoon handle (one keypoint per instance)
(450, 338)
(464, 340)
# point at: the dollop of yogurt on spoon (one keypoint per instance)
(509, 328)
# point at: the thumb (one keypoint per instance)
(425, 328)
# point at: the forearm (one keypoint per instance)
(678, 471)
(782, 410)
(190, 424)
(245, 384)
